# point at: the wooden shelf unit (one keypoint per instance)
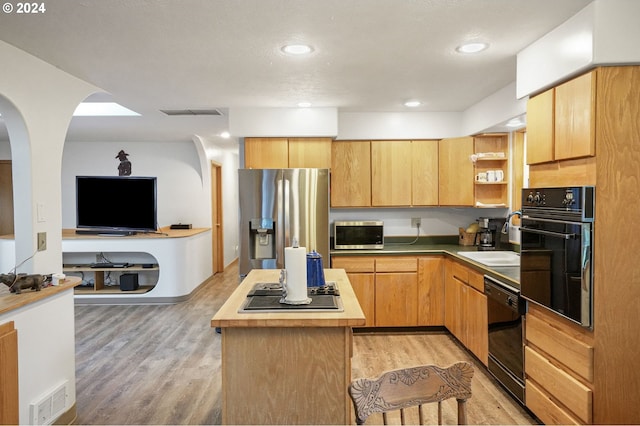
(492, 193)
(99, 277)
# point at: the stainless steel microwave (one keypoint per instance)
(358, 235)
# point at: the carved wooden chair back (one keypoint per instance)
(412, 387)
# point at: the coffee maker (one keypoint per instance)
(488, 237)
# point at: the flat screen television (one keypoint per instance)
(115, 204)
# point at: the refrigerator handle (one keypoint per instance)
(286, 184)
(282, 233)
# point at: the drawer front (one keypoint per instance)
(459, 271)
(575, 354)
(544, 407)
(561, 385)
(396, 264)
(476, 280)
(354, 264)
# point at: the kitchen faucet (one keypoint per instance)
(505, 227)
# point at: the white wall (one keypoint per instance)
(46, 358)
(604, 32)
(229, 160)
(182, 195)
(435, 220)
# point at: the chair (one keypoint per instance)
(410, 387)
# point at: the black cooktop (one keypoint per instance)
(267, 296)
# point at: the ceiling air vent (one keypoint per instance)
(191, 111)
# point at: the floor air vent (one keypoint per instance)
(49, 407)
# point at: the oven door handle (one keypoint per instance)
(550, 233)
(541, 219)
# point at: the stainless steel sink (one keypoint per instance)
(493, 258)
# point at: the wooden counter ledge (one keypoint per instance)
(10, 301)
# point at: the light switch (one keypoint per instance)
(40, 212)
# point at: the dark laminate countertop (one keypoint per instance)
(511, 274)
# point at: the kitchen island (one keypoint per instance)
(288, 367)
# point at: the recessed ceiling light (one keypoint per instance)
(304, 104)
(474, 47)
(225, 135)
(297, 49)
(412, 104)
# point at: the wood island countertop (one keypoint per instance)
(228, 315)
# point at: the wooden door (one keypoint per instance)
(424, 171)
(360, 270)
(396, 299)
(9, 407)
(364, 288)
(310, 153)
(575, 117)
(391, 173)
(540, 125)
(455, 179)
(453, 298)
(266, 153)
(6, 198)
(476, 324)
(431, 302)
(351, 174)
(217, 229)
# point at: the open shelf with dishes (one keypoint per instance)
(491, 166)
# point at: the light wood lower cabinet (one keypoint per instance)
(402, 291)
(431, 291)
(9, 408)
(559, 370)
(360, 270)
(466, 308)
(396, 291)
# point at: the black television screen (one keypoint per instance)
(116, 204)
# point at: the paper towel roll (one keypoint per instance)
(295, 263)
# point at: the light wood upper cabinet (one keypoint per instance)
(456, 173)
(279, 153)
(424, 171)
(266, 153)
(351, 174)
(561, 121)
(540, 128)
(310, 153)
(575, 117)
(391, 173)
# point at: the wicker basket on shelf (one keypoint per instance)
(466, 238)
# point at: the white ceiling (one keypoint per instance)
(370, 55)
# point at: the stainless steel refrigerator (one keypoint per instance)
(278, 206)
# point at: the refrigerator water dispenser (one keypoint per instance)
(262, 243)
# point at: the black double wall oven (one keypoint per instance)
(556, 250)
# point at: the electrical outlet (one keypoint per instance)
(415, 222)
(42, 241)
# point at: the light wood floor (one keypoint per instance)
(160, 364)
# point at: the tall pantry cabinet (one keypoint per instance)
(609, 160)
